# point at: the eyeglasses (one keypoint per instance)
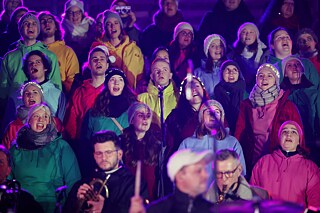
(228, 174)
(185, 34)
(108, 153)
(45, 21)
(74, 13)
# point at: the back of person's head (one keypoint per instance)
(58, 35)
(106, 136)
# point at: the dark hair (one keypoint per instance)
(132, 147)
(117, 1)
(239, 46)
(101, 105)
(58, 35)
(209, 61)
(224, 154)
(155, 52)
(106, 136)
(44, 59)
(13, 26)
(7, 153)
(272, 34)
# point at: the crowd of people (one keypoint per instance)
(224, 112)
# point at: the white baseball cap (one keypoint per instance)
(186, 157)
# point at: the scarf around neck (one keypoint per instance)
(31, 140)
(22, 113)
(259, 97)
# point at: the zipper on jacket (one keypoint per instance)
(190, 206)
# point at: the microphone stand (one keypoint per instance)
(163, 143)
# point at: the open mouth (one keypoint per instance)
(40, 126)
(116, 89)
(31, 102)
(114, 31)
(34, 70)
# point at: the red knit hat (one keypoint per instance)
(299, 129)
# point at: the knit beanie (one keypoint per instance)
(182, 26)
(32, 83)
(25, 17)
(289, 58)
(114, 71)
(246, 24)
(275, 72)
(38, 107)
(134, 108)
(110, 14)
(299, 129)
(306, 31)
(208, 104)
(103, 49)
(210, 38)
(185, 81)
(71, 3)
(225, 64)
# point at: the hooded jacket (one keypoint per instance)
(49, 167)
(68, 63)
(12, 75)
(81, 101)
(293, 179)
(129, 58)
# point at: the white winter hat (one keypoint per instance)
(210, 38)
(182, 26)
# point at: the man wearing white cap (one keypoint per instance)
(187, 169)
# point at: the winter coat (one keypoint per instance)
(68, 63)
(129, 58)
(170, 99)
(92, 124)
(121, 188)
(53, 97)
(10, 134)
(210, 78)
(180, 202)
(207, 143)
(293, 179)
(309, 70)
(81, 101)
(12, 75)
(49, 167)
(286, 110)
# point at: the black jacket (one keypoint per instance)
(179, 202)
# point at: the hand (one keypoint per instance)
(97, 206)
(136, 205)
(133, 18)
(85, 192)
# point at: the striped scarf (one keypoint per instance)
(259, 97)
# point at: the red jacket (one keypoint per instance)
(293, 179)
(81, 101)
(14, 126)
(286, 110)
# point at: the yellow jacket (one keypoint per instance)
(129, 58)
(170, 99)
(68, 63)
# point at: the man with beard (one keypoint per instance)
(115, 197)
(52, 36)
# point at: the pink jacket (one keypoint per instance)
(293, 179)
(81, 101)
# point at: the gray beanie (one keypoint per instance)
(109, 14)
(208, 104)
(209, 39)
(71, 3)
(133, 109)
(25, 17)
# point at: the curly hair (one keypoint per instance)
(59, 33)
(45, 61)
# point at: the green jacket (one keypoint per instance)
(42, 171)
(12, 75)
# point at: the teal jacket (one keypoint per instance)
(42, 171)
(92, 124)
(309, 70)
(12, 75)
